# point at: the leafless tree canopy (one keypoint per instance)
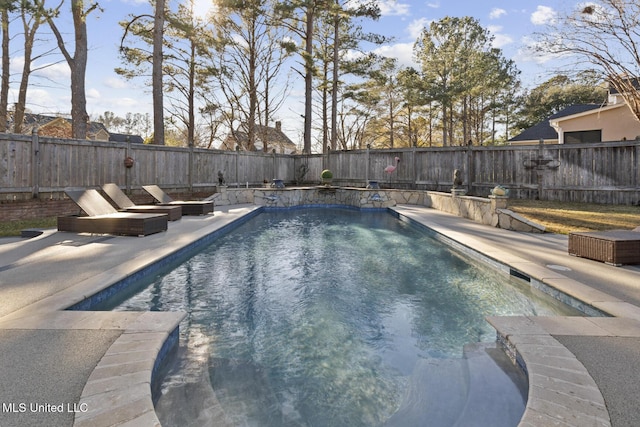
(602, 35)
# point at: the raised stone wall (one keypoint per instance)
(490, 211)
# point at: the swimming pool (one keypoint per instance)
(328, 317)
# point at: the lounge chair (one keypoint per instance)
(125, 204)
(105, 219)
(615, 247)
(188, 207)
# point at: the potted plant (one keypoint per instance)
(327, 177)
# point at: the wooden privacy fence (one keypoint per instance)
(596, 172)
(32, 166)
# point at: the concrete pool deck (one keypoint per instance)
(94, 368)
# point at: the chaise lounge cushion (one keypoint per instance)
(191, 207)
(126, 204)
(102, 218)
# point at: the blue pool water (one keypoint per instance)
(332, 317)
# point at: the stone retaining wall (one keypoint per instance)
(489, 211)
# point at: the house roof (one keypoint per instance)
(543, 130)
(32, 121)
(585, 113)
(123, 137)
(635, 82)
(36, 121)
(272, 136)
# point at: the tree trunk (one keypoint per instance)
(325, 99)
(392, 130)
(191, 129)
(334, 83)
(77, 65)
(79, 116)
(308, 80)
(253, 91)
(29, 38)
(156, 74)
(4, 85)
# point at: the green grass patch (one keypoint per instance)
(13, 228)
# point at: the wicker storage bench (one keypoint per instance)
(615, 247)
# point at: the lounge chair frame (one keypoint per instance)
(124, 203)
(102, 218)
(188, 207)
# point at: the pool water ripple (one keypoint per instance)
(323, 318)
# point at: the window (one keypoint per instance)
(583, 136)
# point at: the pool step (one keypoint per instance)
(436, 391)
(198, 403)
(481, 389)
(497, 390)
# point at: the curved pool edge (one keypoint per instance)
(118, 391)
(561, 389)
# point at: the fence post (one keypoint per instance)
(415, 168)
(368, 159)
(190, 167)
(470, 172)
(35, 163)
(237, 172)
(274, 167)
(539, 169)
(127, 170)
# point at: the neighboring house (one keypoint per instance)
(60, 127)
(123, 137)
(612, 121)
(545, 131)
(273, 138)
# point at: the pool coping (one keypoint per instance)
(120, 386)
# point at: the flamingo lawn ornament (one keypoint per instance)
(389, 169)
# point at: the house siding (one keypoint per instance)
(616, 124)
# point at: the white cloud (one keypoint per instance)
(93, 94)
(403, 52)
(535, 51)
(126, 105)
(543, 15)
(119, 106)
(433, 5)
(415, 27)
(115, 83)
(16, 64)
(499, 40)
(48, 101)
(393, 8)
(203, 8)
(496, 13)
(58, 72)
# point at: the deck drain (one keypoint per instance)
(558, 267)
